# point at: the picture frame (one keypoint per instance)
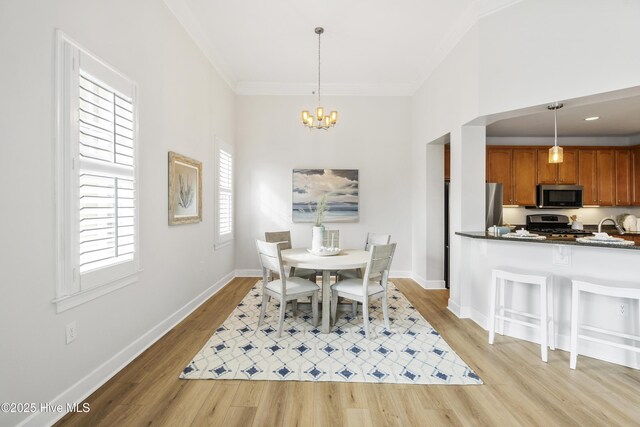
(185, 189)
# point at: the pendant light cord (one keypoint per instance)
(555, 126)
(319, 35)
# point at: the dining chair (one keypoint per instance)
(365, 289)
(372, 239)
(285, 238)
(285, 288)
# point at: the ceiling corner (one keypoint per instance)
(185, 17)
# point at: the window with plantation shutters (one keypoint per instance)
(97, 213)
(224, 208)
(106, 220)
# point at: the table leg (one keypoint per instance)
(326, 301)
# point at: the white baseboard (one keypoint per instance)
(248, 273)
(419, 280)
(103, 373)
(400, 274)
(435, 284)
(454, 307)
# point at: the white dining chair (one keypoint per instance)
(285, 288)
(372, 239)
(285, 238)
(365, 289)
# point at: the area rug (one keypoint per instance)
(411, 352)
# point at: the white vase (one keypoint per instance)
(316, 238)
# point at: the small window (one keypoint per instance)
(98, 215)
(224, 196)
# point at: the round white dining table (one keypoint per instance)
(346, 259)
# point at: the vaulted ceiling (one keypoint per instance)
(369, 46)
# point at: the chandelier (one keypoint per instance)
(321, 120)
(555, 152)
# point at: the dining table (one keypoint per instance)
(346, 259)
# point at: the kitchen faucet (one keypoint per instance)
(610, 218)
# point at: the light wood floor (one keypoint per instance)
(519, 389)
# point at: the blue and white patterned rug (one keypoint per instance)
(412, 352)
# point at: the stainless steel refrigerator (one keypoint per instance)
(493, 204)
(493, 211)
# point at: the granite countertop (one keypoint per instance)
(547, 241)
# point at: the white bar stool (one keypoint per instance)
(500, 276)
(620, 290)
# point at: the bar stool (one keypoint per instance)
(501, 276)
(619, 290)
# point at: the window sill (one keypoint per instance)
(70, 301)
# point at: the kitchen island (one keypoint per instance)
(565, 259)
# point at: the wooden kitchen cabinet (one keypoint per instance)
(499, 169)
(605, 161)
(547, 172)
(568, 169)
(587, 176)
(524, 176)
(557, 173)
(623, 177)
(635, 176)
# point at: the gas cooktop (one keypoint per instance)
(554, 225)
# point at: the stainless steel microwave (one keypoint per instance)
(559, 196)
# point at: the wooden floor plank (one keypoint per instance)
(519, 388)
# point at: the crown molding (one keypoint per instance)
(185, 17)
(308, 89)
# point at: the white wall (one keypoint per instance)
(183, 102)
(372, 135)
(531, 53)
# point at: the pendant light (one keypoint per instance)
(555, 152)
(321, 120)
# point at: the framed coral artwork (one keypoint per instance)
(185, 189)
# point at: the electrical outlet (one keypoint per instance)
(561, 255)
(72, 332)
(623, 310)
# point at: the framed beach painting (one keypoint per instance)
(185, 189)
(337, 187)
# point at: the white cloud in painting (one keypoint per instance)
(310, 186)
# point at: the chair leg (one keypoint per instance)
(492, 307)
(294, 307)
(334, 306)
(502, 307)
(263, 308)
(544, 327)
(354, 309)
(385, 312)
(314, 308)
(283, 308)
(573, 348)
(365, 317)
(551, 322)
